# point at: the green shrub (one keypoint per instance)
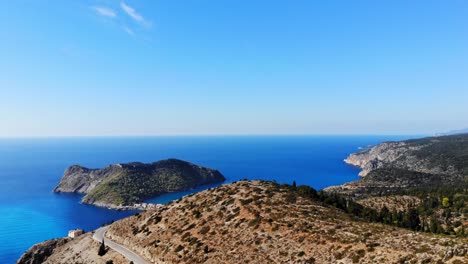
(204, 230)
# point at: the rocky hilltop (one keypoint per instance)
(119, 185)
(262, 222)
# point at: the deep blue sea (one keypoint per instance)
(30, 168)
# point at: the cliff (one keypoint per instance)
(39, 253)
(431, 161)
(381, 155)
(78, 179)
(120, 185)
(264, 222)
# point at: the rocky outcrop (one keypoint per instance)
(383, 155)
(78, 179)
(39, 253)
(121, 186)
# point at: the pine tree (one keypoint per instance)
(413, 219)
(102, 249)
(384, 215)
(435, 226)
(423, 225)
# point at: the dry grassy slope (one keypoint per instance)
(392, 202)
(83, 250)
(256, 222)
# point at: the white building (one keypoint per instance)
(75, 233)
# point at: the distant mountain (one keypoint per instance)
(453, 132)
(126, 184)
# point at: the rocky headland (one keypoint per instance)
(417, 163)
(126, 186)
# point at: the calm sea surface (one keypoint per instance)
(30, 168)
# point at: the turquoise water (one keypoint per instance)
(30, 168)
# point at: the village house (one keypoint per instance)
(75, 233)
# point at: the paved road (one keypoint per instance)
(130, 255)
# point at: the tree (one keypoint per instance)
(384, 215)
(413, 221)
(434, 226)
(445, 202)
(423, 225)
(307, 191)
(395, 218)
(102, 249)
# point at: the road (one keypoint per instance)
(99, 235)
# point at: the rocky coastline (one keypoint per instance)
(403, 165)
(127, 186)
(137, 206)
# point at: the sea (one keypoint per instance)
(30, 168)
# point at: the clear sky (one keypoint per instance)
(171, 67)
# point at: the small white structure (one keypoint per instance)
(75, 233)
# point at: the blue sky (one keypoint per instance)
(141, 67)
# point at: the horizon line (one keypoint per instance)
(213, 135)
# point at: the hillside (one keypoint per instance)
(264, 222)
(127, 184)
(80, 250)
(429, 175)
(445, 156)
(426, 163)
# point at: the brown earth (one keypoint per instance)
(262, 222)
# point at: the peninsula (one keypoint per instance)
(123, 185)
